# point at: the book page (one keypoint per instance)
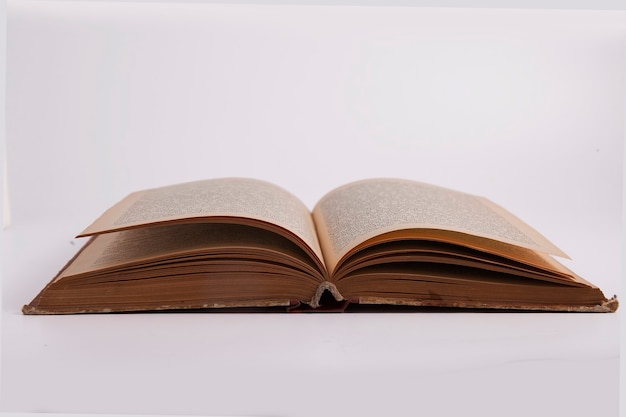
(177, 241)
(240, 198)
(356, 212)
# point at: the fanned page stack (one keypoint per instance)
(244, 243)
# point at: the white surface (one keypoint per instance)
(525, 107)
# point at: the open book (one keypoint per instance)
(242, 243)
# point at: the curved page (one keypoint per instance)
(222, 197)
(356, 212)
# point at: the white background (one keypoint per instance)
(525, 107)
